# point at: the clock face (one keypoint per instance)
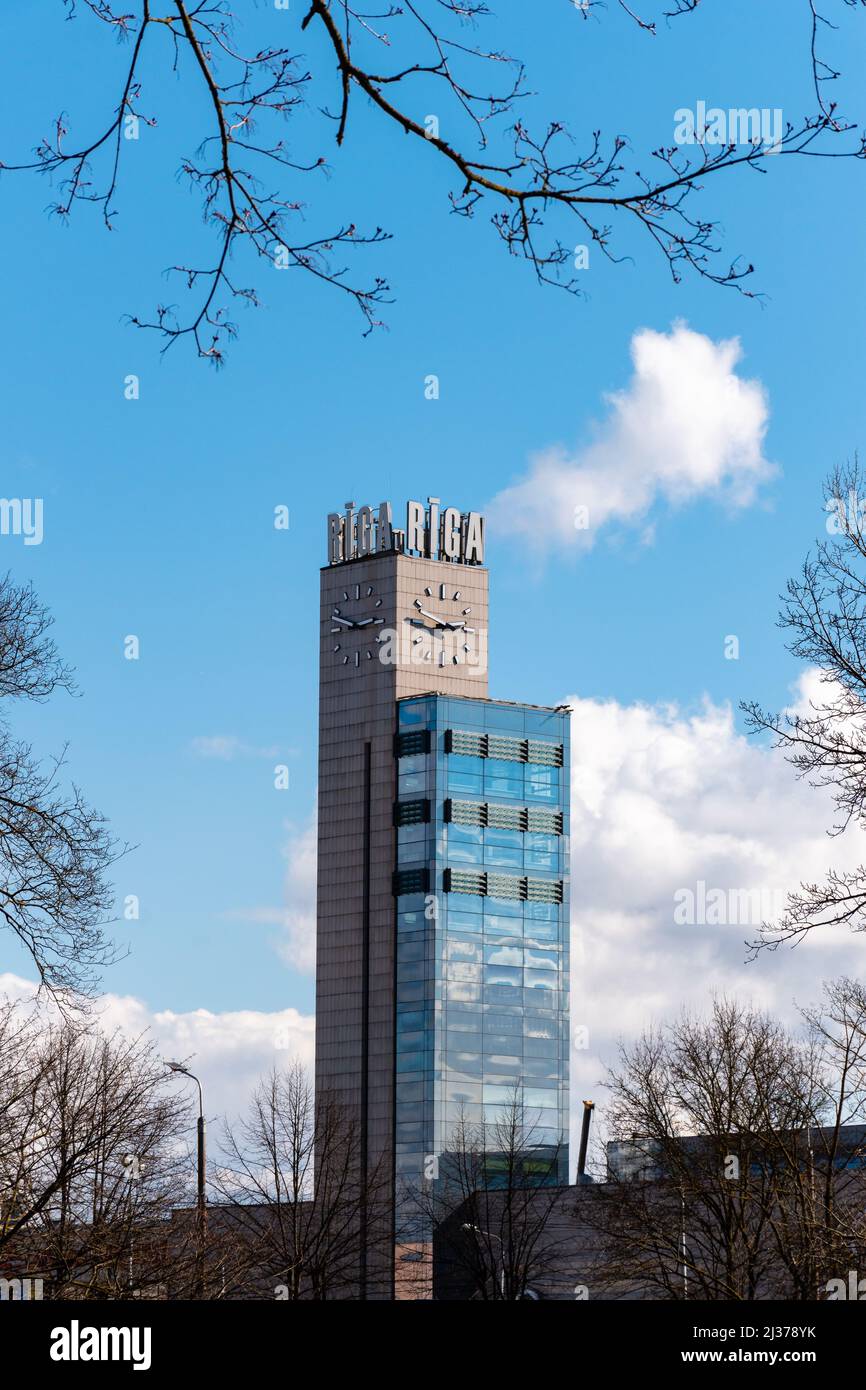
(356, 626)
(441, 626)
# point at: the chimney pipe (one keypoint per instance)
(588, 1107)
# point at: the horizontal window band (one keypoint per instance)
(500, 817)
(412, 812)
(410, 742)
(492, 885)
(410, 881)
(503, 747)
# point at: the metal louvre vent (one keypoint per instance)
(466, 812)
(461, 741)
(505, 886)
(412, 812)
(412, 741)
(501, 817)
(484, 885)
(539, 818)
(410, 881)
(465, 881)
(510, 749)
(543, 890)
(506, 817)
(549, 754)
(503, 747)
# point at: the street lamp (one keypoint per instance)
(476, 1230)
(202, 1168)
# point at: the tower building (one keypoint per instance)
(442, 914)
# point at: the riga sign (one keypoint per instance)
(432, 532)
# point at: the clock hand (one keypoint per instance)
(344, 622)
(432, 617)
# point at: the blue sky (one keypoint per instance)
(158, 512)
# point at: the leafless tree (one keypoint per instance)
(484, 1226)
(306, 1215)
(824, 614)
(92, 1160)
(733, 1178)
(540, 184)
(55, 849)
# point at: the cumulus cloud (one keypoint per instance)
(230, 1051)
(296, 918)
(663, 800)
(687, 425)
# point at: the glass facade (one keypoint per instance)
(481, 892)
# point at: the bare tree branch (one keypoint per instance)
(534, 180)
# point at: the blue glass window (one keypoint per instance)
(465, 844)
(503, 847)
(500, 953)
(411, 782)
(542, 851)
(462, 1092)
(541, 783)
(465, 773)
(542, 960)
(410, 993)
(503, 780)
(409, 1091)
(410, 1061)
(503, 1023)
(410, 1019)
(539, 1096)
(462, 992)
(413, 714)
(502, 975)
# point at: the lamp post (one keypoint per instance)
(201, 1203)
(476, 1230)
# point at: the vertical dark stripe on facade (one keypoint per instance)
(365, 1010)
(392, 1173)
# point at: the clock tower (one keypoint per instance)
(392, 624)
(442, 926)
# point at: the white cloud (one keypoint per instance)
(296, 919)
(298, 946)
(661, 800)
(686, 425)
(229, 1051)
